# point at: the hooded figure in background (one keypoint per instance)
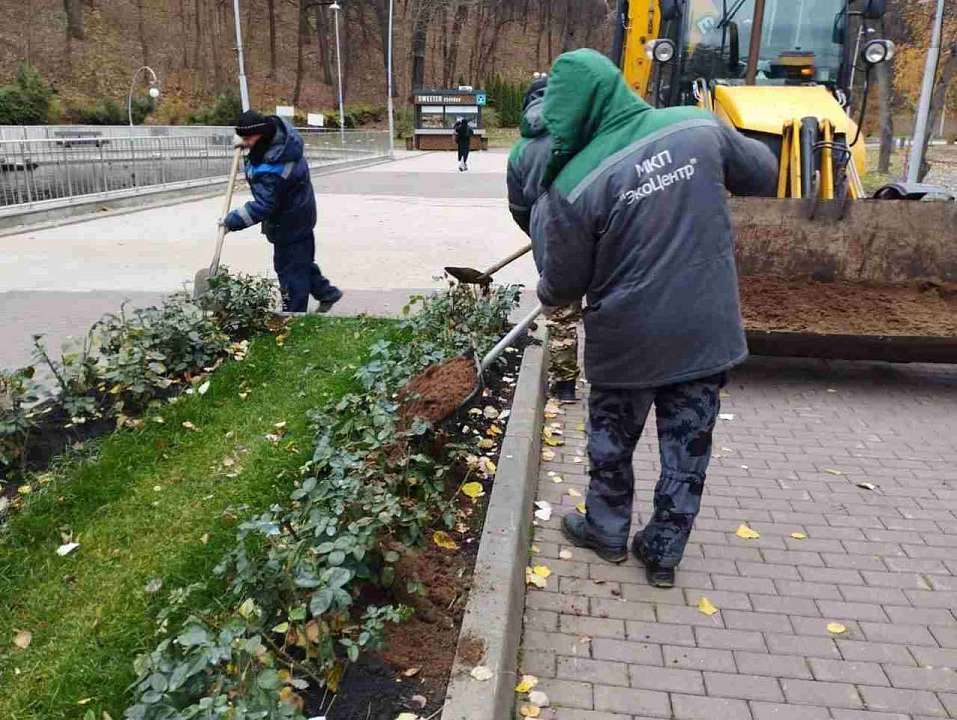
(285, 203)
(526, 171)
(636, 220)
(463, 140)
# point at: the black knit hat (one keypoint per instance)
(252, 123)
(535, 91)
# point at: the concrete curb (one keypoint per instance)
(94, 209)
(492, 627)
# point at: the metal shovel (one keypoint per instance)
(471, 276)
(202, 276)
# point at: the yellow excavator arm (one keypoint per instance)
(642, 23)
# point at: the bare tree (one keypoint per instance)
(271, 14)
(74, 19)
(184, 32)
(141, 29)
(938, 99)
(884, 96)
(322, 40)
(301, 40)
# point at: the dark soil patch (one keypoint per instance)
(414, 666)
(437, 392)
(848, 308)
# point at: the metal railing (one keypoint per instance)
(84, 163)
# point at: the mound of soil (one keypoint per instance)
(435, 393)
(769, 303)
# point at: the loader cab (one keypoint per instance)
(803, 42)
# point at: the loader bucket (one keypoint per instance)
(872, 280)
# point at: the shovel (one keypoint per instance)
(471, 276)
(202, 276)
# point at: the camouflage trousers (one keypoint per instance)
(563, 343)
(685, 415)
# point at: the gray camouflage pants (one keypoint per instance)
(686, 415)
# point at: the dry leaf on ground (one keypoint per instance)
(473, 490)
(481, 673)
(526, 683)
(836, 628)
(537, 697)
(444, 540)
(706, 606)
(22, 639)
(799, 535)
(746, 533)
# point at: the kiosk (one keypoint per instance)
(436, 112)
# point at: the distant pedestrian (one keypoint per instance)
(285, 203)
(636, 219)
(463, 140)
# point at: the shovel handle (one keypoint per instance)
(228, 201)
(511, 258)
(512, 336)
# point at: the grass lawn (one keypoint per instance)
(872, 179)
(502, 137)
(152, 504)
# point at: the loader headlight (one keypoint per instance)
(877, 51)
(661, 50)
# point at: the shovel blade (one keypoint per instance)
(200, 283)
(469, 276)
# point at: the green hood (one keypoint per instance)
(586, 96)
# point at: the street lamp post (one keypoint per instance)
(336, 7)
(243, 88)
(154, 91)
(926, 91)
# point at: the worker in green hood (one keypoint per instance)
(636, 221)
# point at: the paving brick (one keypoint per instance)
(580, 586)
(592, 626)
(729, 639)
(945, 636)
(812, 692)
(664, 634)
(863, 673)
(764, 586)
(901, 634)
(919, 616)
(937, 598)
(878, 652)
(802, 645)
(912, 581)
(746, 687)
(621, 609)
(541, 620)
(539, 663)
(836, 576)
(772, 665)
(696, 707)
(786, 605)
(936, 679)
(915, 565)
(646, 593)
(568, 693)
(555, 642)
(569, 604)
(667, 679)
(950, 702)
(698, 658)
(593, 671)
(626, 651)
(852, 611)
(745, 620)
(818, 626)
(575, 714)
(869, 594)
(840, 714)
(935, 657)
(778, 711)
(857, 562)
(792, 557)
(684, 615)
(796, 588)
(767, 570)
(902, 701)
(631, 701)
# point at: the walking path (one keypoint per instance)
(882, 562)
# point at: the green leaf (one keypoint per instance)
(391, 556)
(158, 682)
(194, 635)
(336, 557)
(268, 679)
(298, 614)
(321, 601)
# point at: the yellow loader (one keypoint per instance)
(825, 270)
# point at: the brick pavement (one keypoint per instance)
(883, 562)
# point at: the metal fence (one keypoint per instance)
(80, 164)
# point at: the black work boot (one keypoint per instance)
(658, 576)
(575, 529)
(326, 304)
(563, 391)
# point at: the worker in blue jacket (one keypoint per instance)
(284, 202)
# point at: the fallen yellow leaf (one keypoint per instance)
(473, 490)
(836, 628)
(542, 571)
(530, 711)
(189, 426)
(746, 533)
(526, 683)
(832, 471)
(553, 442)
(548, 454)
(536, 549)
(706, 606)
(580, 507)
(443, 540)
(494, 430)
(799, 535)
(532, 579)
(572, 492)
(22, 639)
(411, 672)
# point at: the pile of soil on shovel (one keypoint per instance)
(435, 393)
(843, 308)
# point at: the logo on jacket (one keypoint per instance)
(663, 177)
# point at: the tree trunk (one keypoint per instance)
(184, 32)
(214, 45)
(322, 40)
(937, 101)
(886, 117)
(74, 19)
(271, 6)
(420, 26)
(199, 57)
(141, 28)
(548, 22)
(300, 51)
(452, 49)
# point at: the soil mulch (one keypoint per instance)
(843, 308)
(411, 673)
